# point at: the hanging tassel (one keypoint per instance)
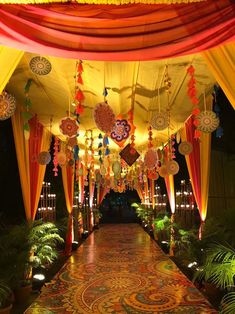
(107, 151)
(79, 79)
(79, 96)
(80, 67)
(197, 134)
(79, 109)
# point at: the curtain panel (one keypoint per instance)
(128, 32)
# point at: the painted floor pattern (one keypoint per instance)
(119, 269)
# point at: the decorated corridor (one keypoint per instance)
(120, 269)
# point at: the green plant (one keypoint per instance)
(5, 295)
(26, 246)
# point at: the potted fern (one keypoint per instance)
(5, 298)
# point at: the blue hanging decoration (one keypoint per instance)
(100, 145)
(106, 141)
(219, 131)
(76, 152)
(105, 92)
(107, 151)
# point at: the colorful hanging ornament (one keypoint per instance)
(185, 148)
(104, 117)
(121, 131)
(40, 65)
(163, 171)
(207, 121)
(129, 154)
(100, 146)
(150, 159)
(61, 158)
(192, 93)
(7, 106)
(69, 127)
(55, 160)
(159, 120)
(72, 141)
(44, 158)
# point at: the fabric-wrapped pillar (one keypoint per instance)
(68, 183)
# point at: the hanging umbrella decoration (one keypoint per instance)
(7, 106)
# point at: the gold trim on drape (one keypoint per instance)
(9, 59)
(45, 145)
(66, 177)
(221, 62)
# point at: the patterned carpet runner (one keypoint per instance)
(119, 270)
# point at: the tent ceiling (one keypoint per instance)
(52, 94)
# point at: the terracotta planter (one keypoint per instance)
(6, 310)
(22, 293)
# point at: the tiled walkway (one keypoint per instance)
(119, 269)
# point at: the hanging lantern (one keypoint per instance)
(185, 148)
(207, 121)
(163, 171)
(40, 65)
(61, 158)
(104, 117)
(69, 127)
(44, 158)
(7, 106)
(116, 167)
(172, 167)
(150, 158)
(159, 120)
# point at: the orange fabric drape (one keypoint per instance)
(170, 187)
(198, 164)
(27, 150)
(68, 183)
(81, 184)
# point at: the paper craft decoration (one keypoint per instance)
(40, 65)
(172, 167)
(129, 154)
(121, 130)
(150, 158)
(104, 117)
(44, 158)
(69, 127)
(185, 148)
(7, 106)
(159, 120)
(207, 121)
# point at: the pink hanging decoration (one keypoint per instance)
(55, 160)
(104, 117)
(192, 93)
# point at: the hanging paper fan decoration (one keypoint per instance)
(44, 158)
(104, 117)
(72, 141)
(185, 148)
(40, 65)
(172, 167)
(129, 154)
(61, 158)
(116, 167)
(163, 171)
(207, 121)
(69, 127)
(121, 131)
(159, 120)
(7, 106)
(150, 159)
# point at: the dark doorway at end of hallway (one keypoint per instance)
(116, 207)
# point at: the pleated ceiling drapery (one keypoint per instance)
(116, 2)
(9, 59)
(27, 150)
(221, 62)
(128, 32)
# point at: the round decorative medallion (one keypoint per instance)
(69, 127)
(163, 171)
(150, 159)
(40, 65)
(7, 106)
(172, 167)
(185, 148)
(121, 130)
(44, 158)
(61, 157)
(159, 120)
(208, 121)
(104, 117)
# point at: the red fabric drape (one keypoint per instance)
(35, 141)
(194, 160)
(128, 32)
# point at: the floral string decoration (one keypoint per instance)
(192, 93)
(79, 96)
(55, 156)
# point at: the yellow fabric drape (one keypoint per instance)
(221, 61)
(170, 186)
(9, 59)
(45, 145)
(68, 183)
(22, 153)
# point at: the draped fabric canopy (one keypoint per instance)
(129, 32)
(116, 2)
